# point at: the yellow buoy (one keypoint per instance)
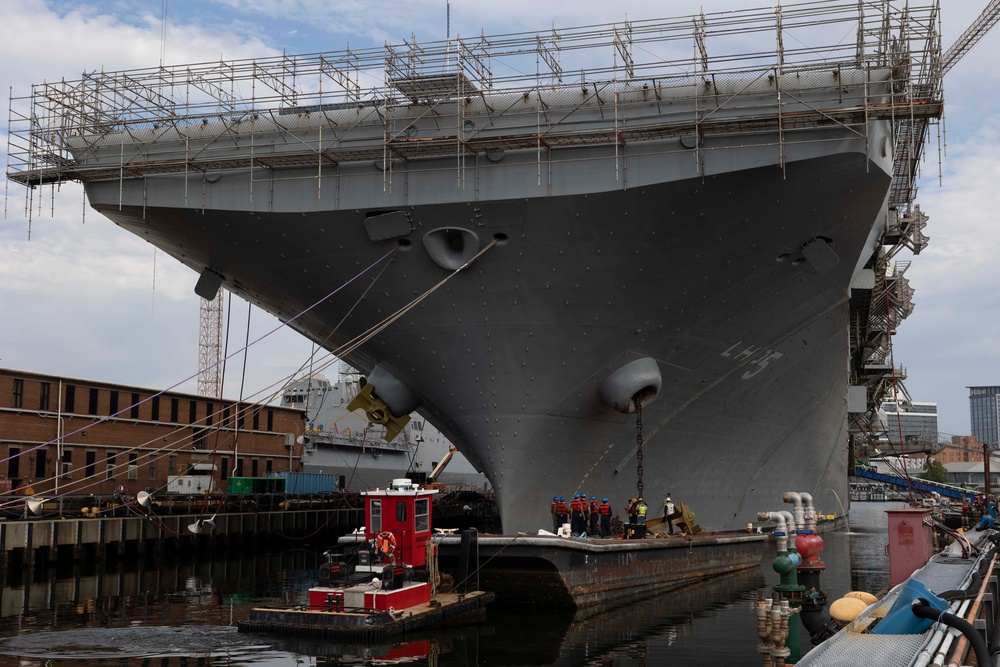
(846, 610)
(865, 597)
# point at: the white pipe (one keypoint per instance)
(792, 525)
(943, 636)
(782, 527)
(796, 500)
(807, 500)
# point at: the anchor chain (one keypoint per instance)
(638, 445)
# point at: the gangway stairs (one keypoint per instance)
(946, 490)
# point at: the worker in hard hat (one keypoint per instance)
(668, 512)
(605, 511)
(595, 516)
(632, 502)
(640, 512)
(562, 512)
(576, 514)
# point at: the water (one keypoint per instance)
(185, 614)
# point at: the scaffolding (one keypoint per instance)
(464, 98)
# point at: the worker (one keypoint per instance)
(631, 510)
(576, 511)
(668, 512)
(555, 514)
(561, 512)
(605, 510)
(640, 512)
(595, 515)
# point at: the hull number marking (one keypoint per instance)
(749, 352)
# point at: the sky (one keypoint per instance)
(82, 298)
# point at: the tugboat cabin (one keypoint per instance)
(398, 521)
(396, 534)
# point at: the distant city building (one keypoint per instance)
(984, 414)
(971, 474)
(917, 421)
(963, 449)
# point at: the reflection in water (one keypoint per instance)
(184, 614)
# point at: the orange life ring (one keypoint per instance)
(385, 543)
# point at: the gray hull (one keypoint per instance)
(508, 359)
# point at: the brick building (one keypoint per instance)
(963, 449)
(74, 436)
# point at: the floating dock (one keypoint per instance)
(554, 571)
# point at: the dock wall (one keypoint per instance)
(47, 540)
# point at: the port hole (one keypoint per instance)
(501, 238)
(404, 244)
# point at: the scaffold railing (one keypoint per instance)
(690, 57)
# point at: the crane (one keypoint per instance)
(971, 36)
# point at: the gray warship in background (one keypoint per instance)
(341, 442)
(526, 237)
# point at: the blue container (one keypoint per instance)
(301, 483)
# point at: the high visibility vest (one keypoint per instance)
(594, 507)
(605, 509)
(554, 508)
(641, 509)
(576, 506)
(561, 507)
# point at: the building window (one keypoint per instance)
(193, 412)
(154, 409)
(376, 517)
(270, 420)
(111, 467)
(14, 463)
(93, 401)
(67, 463)
(18, 393)
(256, 419)
(134, 412)
(224, 465)
(268, 466)
(133, 466)
(175, 406)
(171, 466)
(43, 396)
(209, 413)
(401, 511)
(70, 398)
(239, 467)
(113, 403)
(152, 466)
(253, 467)
(91, 464)
(225, 416)
(40, 472)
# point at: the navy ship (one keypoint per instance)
(629, 259)
(342, 442)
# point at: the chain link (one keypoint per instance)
(638, 444)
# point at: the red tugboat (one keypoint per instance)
(384, 582)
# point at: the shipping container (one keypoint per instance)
(300, 483)
(246, 485)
